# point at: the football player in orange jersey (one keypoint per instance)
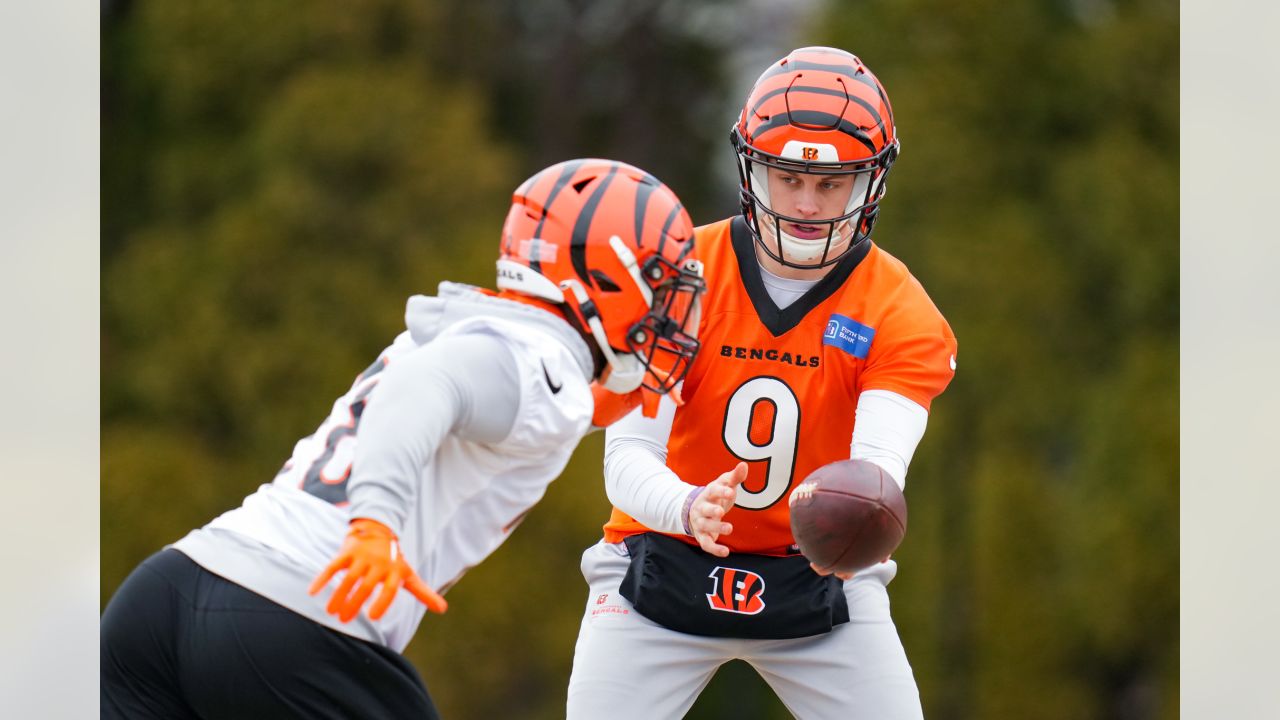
(817, 346)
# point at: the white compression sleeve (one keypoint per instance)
(636, 477)
(467, 385)
(887, 429)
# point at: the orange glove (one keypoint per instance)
(612, 407)
(371, 555)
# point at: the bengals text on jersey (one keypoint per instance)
(778, 388)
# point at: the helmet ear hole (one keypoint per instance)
(653, 270)
(575, 236)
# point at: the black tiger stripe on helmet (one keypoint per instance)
(817, 110)
(577, 235)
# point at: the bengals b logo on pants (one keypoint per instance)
(736, 591)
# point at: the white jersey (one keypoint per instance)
(399, 457)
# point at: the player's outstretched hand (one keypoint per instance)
(708, 507)
(371, 555)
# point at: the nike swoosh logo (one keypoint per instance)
(554, 387)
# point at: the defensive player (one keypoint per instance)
(817, 346)
(426, 464)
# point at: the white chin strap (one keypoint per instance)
(625, 374)
(801, 250)
(797, 249)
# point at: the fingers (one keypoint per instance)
(705, 517)
(360, 582)
(390, 586)
(708, 508)
(826, 571)
(339, 598)
(734, 477)
(724, 489)
(327, 574)
(711, 527)
(708, 544)
(707, 511)
(432, 599)
(720, 494)
(362, 593)
(707, 529)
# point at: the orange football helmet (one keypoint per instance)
(817, 110)
(612, 245)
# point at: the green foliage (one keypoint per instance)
(293, 203)
(277, 181)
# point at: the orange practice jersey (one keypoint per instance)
(779, 388)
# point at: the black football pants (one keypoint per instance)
(177, 641)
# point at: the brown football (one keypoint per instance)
(848, 515)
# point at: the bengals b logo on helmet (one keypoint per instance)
(737, 591)
(817, 110)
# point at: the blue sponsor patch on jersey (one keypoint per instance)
(849, 335)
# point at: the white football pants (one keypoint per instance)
(626, 666)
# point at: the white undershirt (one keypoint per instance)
(784, 291)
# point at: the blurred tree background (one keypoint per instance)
(278, 177)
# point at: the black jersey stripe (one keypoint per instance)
(781, 321)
